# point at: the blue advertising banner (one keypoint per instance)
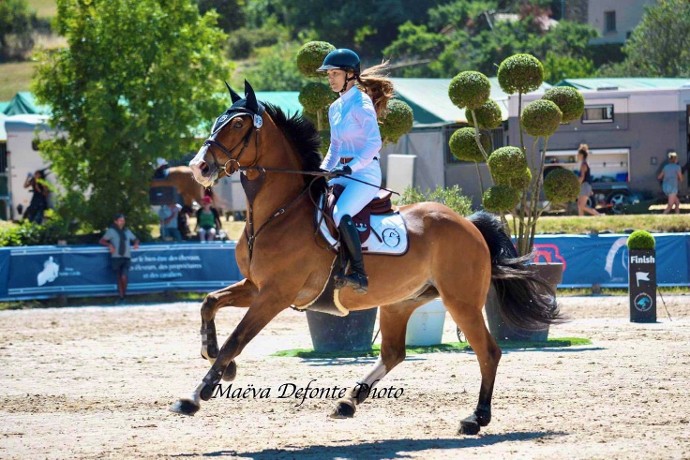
(33, 272)
(603, 259)
(46, 271)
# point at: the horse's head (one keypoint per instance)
(224, 152)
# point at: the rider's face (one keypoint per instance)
(336, 79)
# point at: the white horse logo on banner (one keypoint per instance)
(50, 272)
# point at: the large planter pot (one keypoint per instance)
(425, 326)
(353, 332)
(552, 273)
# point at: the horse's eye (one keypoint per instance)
(237, 124)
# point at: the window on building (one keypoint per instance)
(598, 114)
(609, 21)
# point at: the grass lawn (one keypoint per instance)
(308, 353)
(44, 8)
(15, 77)
(657, 223)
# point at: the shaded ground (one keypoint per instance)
(96, 382)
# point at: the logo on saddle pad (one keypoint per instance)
(387, 233)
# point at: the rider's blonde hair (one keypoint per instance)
(374, 81)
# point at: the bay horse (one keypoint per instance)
(286, 264)
(182, 178)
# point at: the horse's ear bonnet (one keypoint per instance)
(242, 106)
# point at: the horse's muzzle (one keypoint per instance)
(204, 173)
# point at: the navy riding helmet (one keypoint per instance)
(343, 59)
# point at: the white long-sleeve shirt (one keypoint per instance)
(354, 131)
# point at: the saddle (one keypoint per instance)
(381, 229)
(381, 204)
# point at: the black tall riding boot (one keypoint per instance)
(349, 236)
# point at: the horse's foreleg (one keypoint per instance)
(393, 320)
(239, 294)
(263, 309)
(471, 322)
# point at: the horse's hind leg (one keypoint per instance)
(471, 322)
(393, 319)
(239, 294)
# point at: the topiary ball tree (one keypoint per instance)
(520, 73)
(500, 198)
(507, 163)
(488, 115)
(518, 181)
(561, 186)
(569, 100)
(469, 89)
(398, 121)
(541, 118)
(463, 145)
(316, 96)
(641, 239)
(310, 57)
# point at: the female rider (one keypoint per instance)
(355, 144)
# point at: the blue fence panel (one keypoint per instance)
(47, 271)
(603, 259)
(33, 272)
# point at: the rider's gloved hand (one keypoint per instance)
(341, 170)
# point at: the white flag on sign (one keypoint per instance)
(641, 276)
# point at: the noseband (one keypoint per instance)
(233, 164)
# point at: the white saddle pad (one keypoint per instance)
(388, 233)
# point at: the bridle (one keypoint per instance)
(252, 186)
(233, 163)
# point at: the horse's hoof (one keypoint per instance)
(343, 409)
(184, 406)
(230, 372)
(469, 426)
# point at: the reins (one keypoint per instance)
(325, 174)
(252, 187)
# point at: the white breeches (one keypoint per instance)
(356, 195)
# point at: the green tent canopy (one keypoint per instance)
(23, 103)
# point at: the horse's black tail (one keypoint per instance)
(527, 301)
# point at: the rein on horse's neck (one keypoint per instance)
(265, 200)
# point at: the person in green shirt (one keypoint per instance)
(208, 223)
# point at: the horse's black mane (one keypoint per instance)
(303, 135)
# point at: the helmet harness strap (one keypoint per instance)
(348, 80)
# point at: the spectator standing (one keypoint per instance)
(168, 214)
(585, 179)
(671, 176)
(39, 200)
(118, 239)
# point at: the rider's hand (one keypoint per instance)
(341, 170)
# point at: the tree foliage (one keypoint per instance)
(134, 84)
(660, 45)
(467, 35)
(16, 27)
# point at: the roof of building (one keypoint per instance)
(430, 103)
(625, 83)
(288, 101)
(24, 102)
